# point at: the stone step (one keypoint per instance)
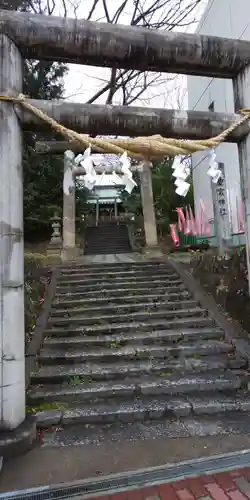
(111, 247)
(85, 373)
(72, 282)
(113, 232)
(119, 309)
(78, 375)
(181, 433)
(107, 251)
(100, 249)
(113, 236)
(107, 241)
(145, 338)
(135, 352)
(174, 384)
(145, 409)
(89, 302)
(122, 318)
(100, 281)
(107, 275)
(106, 286)
(160, 324)
(113, 271)
(114, 266)
(178, 287)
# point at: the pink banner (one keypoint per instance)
(193, 225)
(174, 235)
(205, 226)
(188, 224)
(240, 216)
(181, 219)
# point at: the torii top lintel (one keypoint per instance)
(98, 44)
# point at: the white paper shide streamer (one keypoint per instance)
(181, 173)
(127, 177)
(91, 179)
(86, 161)
(214, 172)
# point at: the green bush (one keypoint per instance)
(36, 274)
(34, 261)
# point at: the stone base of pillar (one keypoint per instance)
(18, 441)
(54, 250)
(70, 253)
(152, 252)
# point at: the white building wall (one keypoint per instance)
(230, 19)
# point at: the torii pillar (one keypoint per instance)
(69, 225)
(12, 358)
(148, 206)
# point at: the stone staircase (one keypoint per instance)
(127, 343)
(107, 238)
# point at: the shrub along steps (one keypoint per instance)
(127, 343)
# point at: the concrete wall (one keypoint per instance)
(231, 19)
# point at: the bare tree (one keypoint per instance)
(127, 86)
(124, 86)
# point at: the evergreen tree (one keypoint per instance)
(165, 198)
(43, 176)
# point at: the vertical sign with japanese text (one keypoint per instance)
(221, 208)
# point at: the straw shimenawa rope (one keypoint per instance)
(140, 148)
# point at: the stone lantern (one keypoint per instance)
(55, 244)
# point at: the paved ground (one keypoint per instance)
(53, 465)
(77, 454)
(224, 486)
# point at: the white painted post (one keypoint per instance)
(12, 359)
(148, 205)
(116, 213)
(69, 232)
(241, 86)
(97, 212)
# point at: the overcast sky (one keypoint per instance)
(83, 82)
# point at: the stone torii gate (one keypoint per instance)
(70, 251)
(117, 120)
(84, 42)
